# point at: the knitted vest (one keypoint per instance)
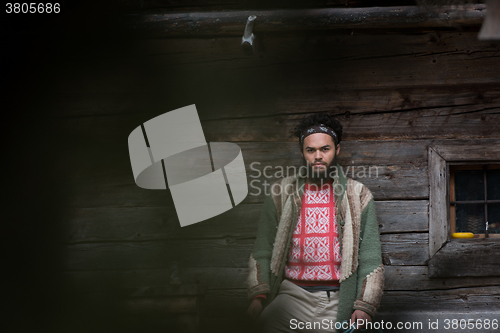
(315, 258)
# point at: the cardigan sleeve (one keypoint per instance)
(371, 271)
(259, 272)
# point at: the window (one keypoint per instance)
(454, 179)
(475, 200)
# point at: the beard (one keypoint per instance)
(326, 172)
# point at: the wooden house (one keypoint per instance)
(416, 90)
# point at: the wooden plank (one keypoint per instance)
(108, 159)
(218, 302)
(398, 182)
(101, 176)
(142, 255)
(398, 249)
(417, 278)
(340, 47)
(170, 290)
(402, 216)
(397, 278)
(161, 223)
(352, 100)
(392, 182)
(426, 124)
(237, 323)
(462, 299)
(331, 64)
(126, 281)
(165, 24)
(383, 152)
(405, 249)
(472, 257)
(196, 5)
(162, 305)
(156, 223)
(385, 182)
(93, 93)
(438, 207)
(454, 152)
(420, 124)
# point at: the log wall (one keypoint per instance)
(396, 93)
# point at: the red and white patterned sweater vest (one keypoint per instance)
(315, 255)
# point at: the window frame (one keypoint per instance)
(452, 168)
(457, 257)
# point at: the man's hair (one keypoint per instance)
(318, 119)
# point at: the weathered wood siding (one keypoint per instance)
(396, 94)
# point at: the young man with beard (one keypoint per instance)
(316, 261)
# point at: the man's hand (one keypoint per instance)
(358, 314)
(255, 308)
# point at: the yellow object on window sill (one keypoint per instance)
(462, 235)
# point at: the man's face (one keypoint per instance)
(319, 153)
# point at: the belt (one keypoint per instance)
(328, 289)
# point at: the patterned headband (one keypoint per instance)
(321, 128)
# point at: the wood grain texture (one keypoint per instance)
(298, 74)
(401, 182)
(162, 305)
(397, 249)
(107, 224)
(101, 175)
(157, 223)
(408, 125)
(397, 278)
(416, 278)
(471, 152)
(418, 124)
(392, 182)
(402, 216)
(127, 281)
(165, 24)
(226, 252)
(196, 5)
(477, 257)
(342, 100)
(461, 299)
(438, 203)
(405, 249)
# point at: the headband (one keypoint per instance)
(321, 128)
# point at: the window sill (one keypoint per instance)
(467, 257)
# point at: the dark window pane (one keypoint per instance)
(469, 185)
(494, 218)
(493, 177)
(470, 218)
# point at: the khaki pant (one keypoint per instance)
(297, 310)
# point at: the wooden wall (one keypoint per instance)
(396, 93)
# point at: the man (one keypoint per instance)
(316, 261)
